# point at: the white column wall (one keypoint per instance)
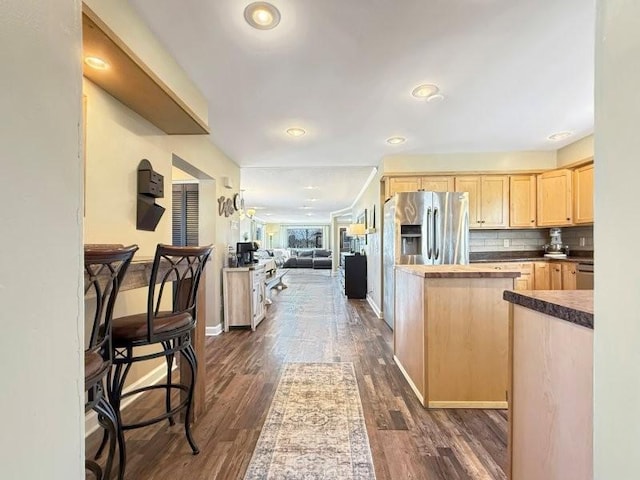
(41, 292)
(617, 281)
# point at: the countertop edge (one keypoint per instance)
(563, 312)
(473, 272)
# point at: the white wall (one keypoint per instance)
(373, 249)
(459, 162)
(576, 151)
(42, 393)
(617, 282)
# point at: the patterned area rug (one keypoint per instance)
(315, 428)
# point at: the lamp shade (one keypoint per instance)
(356, 229)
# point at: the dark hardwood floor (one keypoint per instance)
(312, 322)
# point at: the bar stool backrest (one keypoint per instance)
(181, 268)
(105, 269)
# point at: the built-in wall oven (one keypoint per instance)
(584, 276)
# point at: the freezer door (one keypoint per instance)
(411, 227)
(450, 228)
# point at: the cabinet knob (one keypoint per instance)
(533, 221)
(478, 221)
(568, 219)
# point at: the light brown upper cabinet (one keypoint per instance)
(522, 204)
(488, 200)
(555, 198)
(583, 194)
(413, 184)
(403, 184)
(437, 184)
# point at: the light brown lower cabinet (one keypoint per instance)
(542, 276)
(556, 275)
(524, 281)
(569, 270)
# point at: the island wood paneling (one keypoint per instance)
(451, 335)
(551, 398)
(467, 351)
(409, 333)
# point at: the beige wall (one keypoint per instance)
(576, 151)
(459, 162)
(111, 185)
(41, 287)
(124, 21)
(617, 303)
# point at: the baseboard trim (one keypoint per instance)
(469, 404)
(409, 381)
(213, 331)
(375, 307)
(153, 377)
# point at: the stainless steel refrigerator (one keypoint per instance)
(430, 228)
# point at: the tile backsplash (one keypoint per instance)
(572, 235)
(529, 239)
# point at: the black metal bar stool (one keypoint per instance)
(104, 271)
(176, 270)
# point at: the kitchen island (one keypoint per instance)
(451, 335)
(551, 385)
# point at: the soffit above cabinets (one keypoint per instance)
(131, 82)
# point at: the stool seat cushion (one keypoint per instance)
(94, 365)
(134, 327)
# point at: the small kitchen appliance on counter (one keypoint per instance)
(555, 248)
(244, 252)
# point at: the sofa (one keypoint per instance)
(316, 258)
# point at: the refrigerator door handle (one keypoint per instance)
(435, 235)
(429, 250)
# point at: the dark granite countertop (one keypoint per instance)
(575, 306)
(582, 256)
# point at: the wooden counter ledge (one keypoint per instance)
(456, 271)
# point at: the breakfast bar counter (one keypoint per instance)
(451, 333)
(551, 384)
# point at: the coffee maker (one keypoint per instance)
(244, 252)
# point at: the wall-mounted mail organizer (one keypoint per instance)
(150, 187)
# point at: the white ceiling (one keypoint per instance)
(512, 72)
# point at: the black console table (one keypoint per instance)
(353, 272)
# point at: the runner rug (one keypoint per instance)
(315, 427)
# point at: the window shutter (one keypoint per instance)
(185, 214)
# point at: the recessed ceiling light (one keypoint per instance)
(396, 140)
(305, 207)
(425, 91)
(296, 131)
(262, 15)
(435, 98)
(309, 214)
(559, 136)
(96, 62)
(268, 214)
(310, 187)
(312, 199)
